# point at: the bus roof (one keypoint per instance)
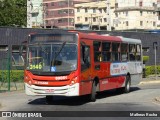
(99, 37)
(130, 40)
(108, 37)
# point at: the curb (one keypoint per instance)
(150, 82)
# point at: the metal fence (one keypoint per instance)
(11, 77)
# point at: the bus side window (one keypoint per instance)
(97, 51)
(115, 51)
(85, 57)
(106, 51)
(132, 52)
(138, 52)
(124, 51)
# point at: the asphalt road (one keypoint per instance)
(141, 98)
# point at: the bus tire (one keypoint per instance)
(93, 92)
(49, 99)
(127, 84)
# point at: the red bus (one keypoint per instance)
(75, 64)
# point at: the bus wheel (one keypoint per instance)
(93, 92)
(49, 99)
(127, 84)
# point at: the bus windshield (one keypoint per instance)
(57, 57)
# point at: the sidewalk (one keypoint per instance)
(150, 79)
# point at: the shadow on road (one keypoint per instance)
(114, 92)
(77, 101)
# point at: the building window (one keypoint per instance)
(52, 13)
(140, 4)
(105, 20)
(3, 47)
(105, 10)
(46, 21)
(116, 14)
(116, 5)
(100, 10)
(94, 10)
(126, 13)
(17, 59)
(126, 23)
(86, 10)
(86, 19)
(141, 23)
(94, 19)
(141, 13)
(46, 4)
(60, 21)
(78, 9)
(100, 20)
(78, 18)
(52, 4)
(154, 24)
(71, 11)
(154, 4)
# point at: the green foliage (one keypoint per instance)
(15, 75)
(145, 58)
(150, 70)
(13, 12)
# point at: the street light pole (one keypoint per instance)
(108, 16)
(155, 45)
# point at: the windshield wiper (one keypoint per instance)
(53, 63)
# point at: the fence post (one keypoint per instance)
(9, 67)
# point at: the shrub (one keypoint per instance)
(15, 75)
(150, 70)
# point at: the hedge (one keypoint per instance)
(15, 75)
(150, 70)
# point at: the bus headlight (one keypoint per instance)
(74, 80)
(28, 80)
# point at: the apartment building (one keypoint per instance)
(136, 14)
(60, 13)
(97, 15)
(34, 13)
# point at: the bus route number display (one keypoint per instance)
(52, 38)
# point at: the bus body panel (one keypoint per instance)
(135, 70)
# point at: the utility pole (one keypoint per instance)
(108, 16)
(44, 15)
(68, 14)
(29, 13)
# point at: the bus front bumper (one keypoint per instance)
(57, 91)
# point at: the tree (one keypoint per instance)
(13, 12)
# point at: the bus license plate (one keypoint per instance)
(49, 90)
